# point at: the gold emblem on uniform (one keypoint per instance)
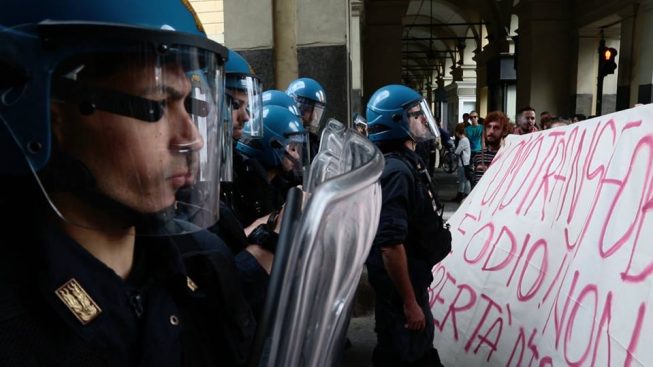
(191, 284)
(78, 301)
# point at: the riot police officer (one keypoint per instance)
(244, 93)
(109, 159)
(242, 106)
(260, 188)
(411, 237)
(310, 98)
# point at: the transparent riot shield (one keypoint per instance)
(321, 252)
(327, 162)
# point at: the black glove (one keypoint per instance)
(264, 237)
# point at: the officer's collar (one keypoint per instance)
(411, 156)
(83, 290)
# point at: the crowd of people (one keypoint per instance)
(479, 139)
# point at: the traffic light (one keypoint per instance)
(607, 65)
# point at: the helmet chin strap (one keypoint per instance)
(66, 174)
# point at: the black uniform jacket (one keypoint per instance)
(181, 305)
(403, 199)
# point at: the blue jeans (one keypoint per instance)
(464, 186)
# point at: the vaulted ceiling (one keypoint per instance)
(435, 32)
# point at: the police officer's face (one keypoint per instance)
(292, 159)
(140, 164)
(417, 122)
(307, 114)
(239, 111)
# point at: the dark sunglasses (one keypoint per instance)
(416, 114)
(91, 98)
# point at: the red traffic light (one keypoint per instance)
(607, 54)
(607, 64)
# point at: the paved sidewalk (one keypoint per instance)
(361, 328)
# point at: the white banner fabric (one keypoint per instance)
(552, 259)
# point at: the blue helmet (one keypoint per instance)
(283, 137)
(275, 97)
(243, 91)
(236, 70)
(36, 36)
(310, 99)
(389, 113)
(67, 64)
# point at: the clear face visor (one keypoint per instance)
(245, 101)
(296, 154)
(227, 145)
(310, 113)
(360, 124)
(421, 122)
(146, 127)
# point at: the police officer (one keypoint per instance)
(244, 93)
(109, 161)
(310, 99)
(410, 238)
(260, 188)
(242, 106)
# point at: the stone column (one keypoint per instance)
(382, 44)
(626, 58)
(545, 46)
(287, 39)
(642, 82)
(285, 42)
(322, 53)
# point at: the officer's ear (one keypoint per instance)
(56, 121)
(59, 115)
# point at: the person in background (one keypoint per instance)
(545, 117)
(463, 151)
(525, 121)
(466, 119)
(578, 117)
(496, 127)
(474, 133)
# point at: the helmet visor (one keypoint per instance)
(421, 122)
(143, 127)
(228, 142)
(296, 154)
(360, 124)
(310, 113)
(246, 103)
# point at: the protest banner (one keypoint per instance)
(552, 259)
